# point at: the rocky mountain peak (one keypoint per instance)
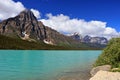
(25, 24)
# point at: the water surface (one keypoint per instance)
(44, 65)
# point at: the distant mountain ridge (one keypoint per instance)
(26, 26)
(89, 39)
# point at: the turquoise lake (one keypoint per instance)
(44, 64)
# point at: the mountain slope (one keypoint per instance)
(14, 43)
(19, 44)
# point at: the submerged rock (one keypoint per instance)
(103, 68)
(105, 75)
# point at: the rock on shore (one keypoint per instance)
(96, 69)
(105, 75)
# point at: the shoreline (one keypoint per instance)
(76, 75)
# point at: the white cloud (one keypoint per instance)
(10, 8)
(64, 24)
(36, 13)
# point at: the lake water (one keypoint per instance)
(43, 64)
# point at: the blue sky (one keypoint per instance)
(101, 10)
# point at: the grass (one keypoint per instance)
(19, 44)
(11, 43)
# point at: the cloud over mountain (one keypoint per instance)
(10, 8)
(65, 24)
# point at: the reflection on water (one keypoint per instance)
(44, 65)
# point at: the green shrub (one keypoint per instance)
(111, 54)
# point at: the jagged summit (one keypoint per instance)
(26, 11)
(28, 14)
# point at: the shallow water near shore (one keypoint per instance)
(46, 65)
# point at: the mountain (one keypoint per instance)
(97, 40)
(25, 26)
(76, 36)
(88, 39)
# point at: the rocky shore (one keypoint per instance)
(103, 73)
(106, 75)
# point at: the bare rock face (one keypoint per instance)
(105, 75)
(25, 24)
(96, 69)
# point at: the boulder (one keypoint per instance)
(105, 75)
(103, 68)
